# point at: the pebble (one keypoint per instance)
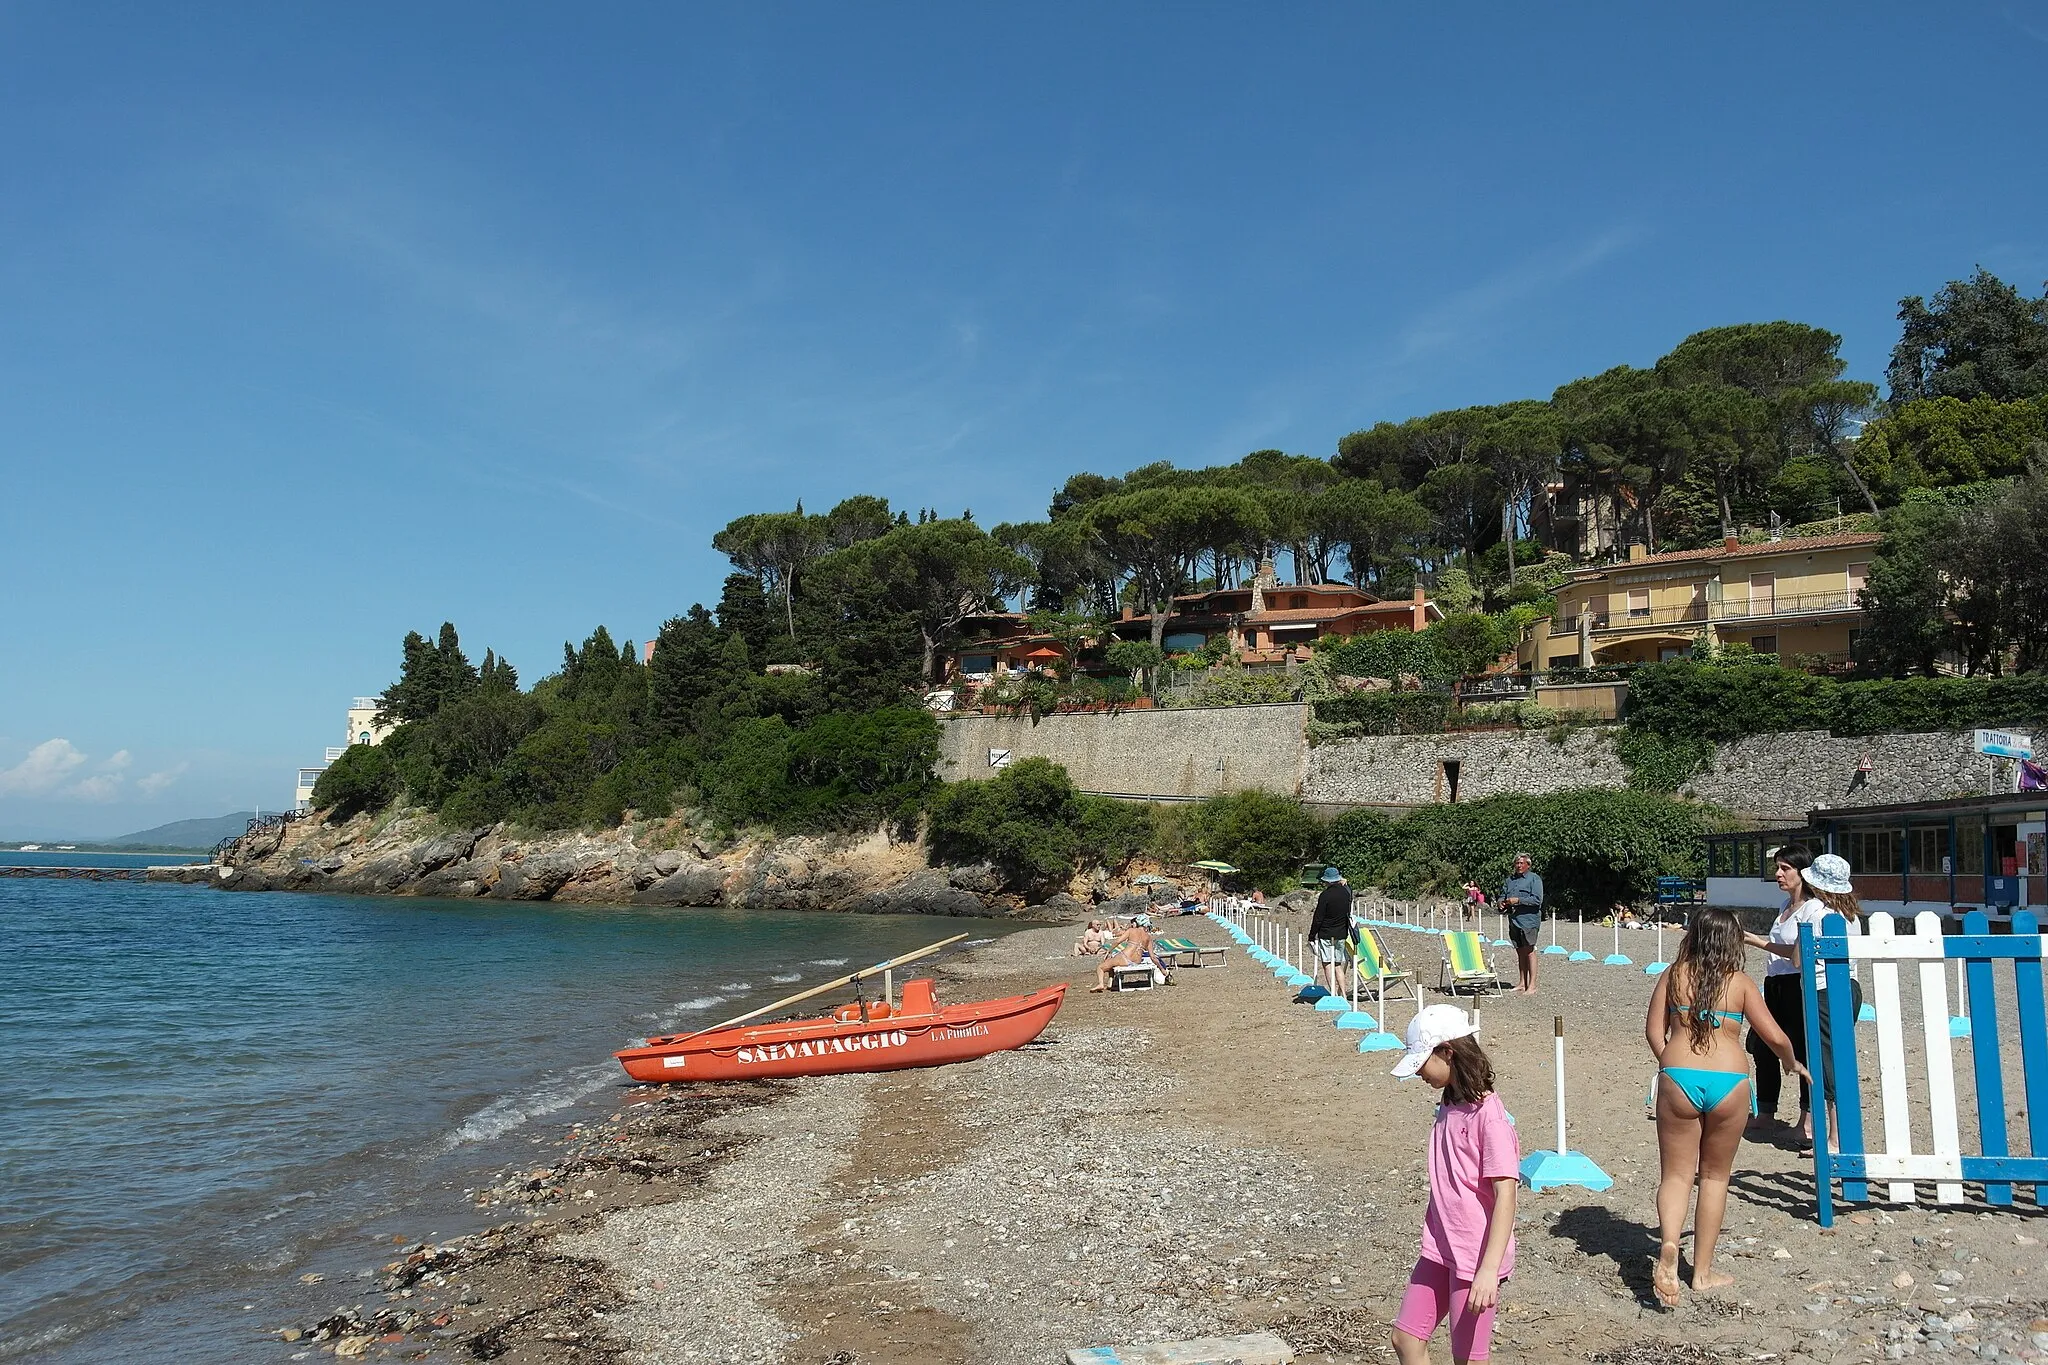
(1902, 1280)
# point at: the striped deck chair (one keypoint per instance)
(1375, 965)
(1467, 964)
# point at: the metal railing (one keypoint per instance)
(1770, 607)
(363, 704)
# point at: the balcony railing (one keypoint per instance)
(1773, 607)
(335, 751)
(363, 704)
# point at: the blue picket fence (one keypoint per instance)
(1927, 954)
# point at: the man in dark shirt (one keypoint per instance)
(1521, 897)
(1329, 932)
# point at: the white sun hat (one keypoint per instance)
(1430, 1029)
(1830, 873)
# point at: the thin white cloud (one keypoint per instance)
(99, 787)
(44, 770)
(157, 781)
(1453, 321)
(117, 762)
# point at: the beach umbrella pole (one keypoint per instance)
(1959, 1022)
(1660, 964)
(1548, 1170)
(1616, 958)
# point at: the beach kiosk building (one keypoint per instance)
(1976, 852)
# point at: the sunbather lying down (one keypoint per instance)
(1132, 947)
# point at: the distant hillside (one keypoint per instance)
(199, 835)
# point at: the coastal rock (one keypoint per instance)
(979, 877)
(536, 878)
(687, 883)
(668, 862)
(1062, 906)
(926, 892)
(460, 880)
(449, 849)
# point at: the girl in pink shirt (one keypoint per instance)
(1468, 1231)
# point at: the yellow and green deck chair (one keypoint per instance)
(1467, 965)
(1376, 967)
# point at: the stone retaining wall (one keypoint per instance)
(1190, 754)
(1409, 770)
(1784, 776)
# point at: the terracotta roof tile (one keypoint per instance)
(1796, 545)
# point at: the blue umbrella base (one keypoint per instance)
(1616, 960)
(1548, 1170)
(1381, 1042)
(1359, 1021)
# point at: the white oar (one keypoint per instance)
(819, 990)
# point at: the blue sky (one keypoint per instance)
(326, 323)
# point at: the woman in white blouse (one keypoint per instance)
(1822, 888)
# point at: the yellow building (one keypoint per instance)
(1792, 598)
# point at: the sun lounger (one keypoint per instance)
(1466, 964)
(1134, 976)
(1186, 952)
(1375, 965)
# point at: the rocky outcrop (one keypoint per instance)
(659, 863)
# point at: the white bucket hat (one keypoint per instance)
(1430, 1029)
(1829, 873)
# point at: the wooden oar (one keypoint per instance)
(819, 990)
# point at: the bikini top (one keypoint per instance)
(1718, 1016)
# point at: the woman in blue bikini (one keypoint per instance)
(1694, 1029)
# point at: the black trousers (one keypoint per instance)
(1782, 998)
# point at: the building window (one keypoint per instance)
(1927, 849)
(1859, 574)
(1873, 851)
(1764, 644)
(1184, 642)
(1297, 602)
(1638, 603)
(1970, 847)
(1564, 661)
(1855, 642)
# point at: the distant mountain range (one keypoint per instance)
(198, 835)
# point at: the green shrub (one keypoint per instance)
(749, 782)
(363, 778)
(1113, 832)
(1265, 836)
(1592, 846)
(1026, 821)
(1389, 713)
(1714, 700)
(1390, 653)
(1658, 762)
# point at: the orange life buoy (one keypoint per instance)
(879, 1010)
(847, 1014)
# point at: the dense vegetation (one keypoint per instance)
(1593, 847)
(793, 703)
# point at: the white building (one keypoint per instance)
(363, 728)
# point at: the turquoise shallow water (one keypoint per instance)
(207, 1094)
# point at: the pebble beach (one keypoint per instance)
(1201, 1159)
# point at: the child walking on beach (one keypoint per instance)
(1468, 1230)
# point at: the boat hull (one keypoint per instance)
(827, 1046)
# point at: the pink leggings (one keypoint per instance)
(1433, 1296)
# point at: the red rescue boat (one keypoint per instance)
(871, 1037)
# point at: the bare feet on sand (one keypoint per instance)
(1664, 1275)
(1093, 989)
(1704, 1281)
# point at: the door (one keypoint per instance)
(1763, 594)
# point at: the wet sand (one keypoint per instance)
(1196, 1159)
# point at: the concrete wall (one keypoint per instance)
(1198, 752)
(1784, 776)
(1409, 769)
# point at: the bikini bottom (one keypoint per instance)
(1706, 1089)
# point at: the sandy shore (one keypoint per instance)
(1203, 1158)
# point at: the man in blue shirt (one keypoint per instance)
(1521, 896)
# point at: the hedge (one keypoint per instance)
(1388, 713)
(1715, 701)
(1593, 847)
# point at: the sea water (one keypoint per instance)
(205, 1095)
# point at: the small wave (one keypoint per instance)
(828, 962)
(54, 1336)
(501, 1116)
(666, 1020)
(785, 978)
(737, 986)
